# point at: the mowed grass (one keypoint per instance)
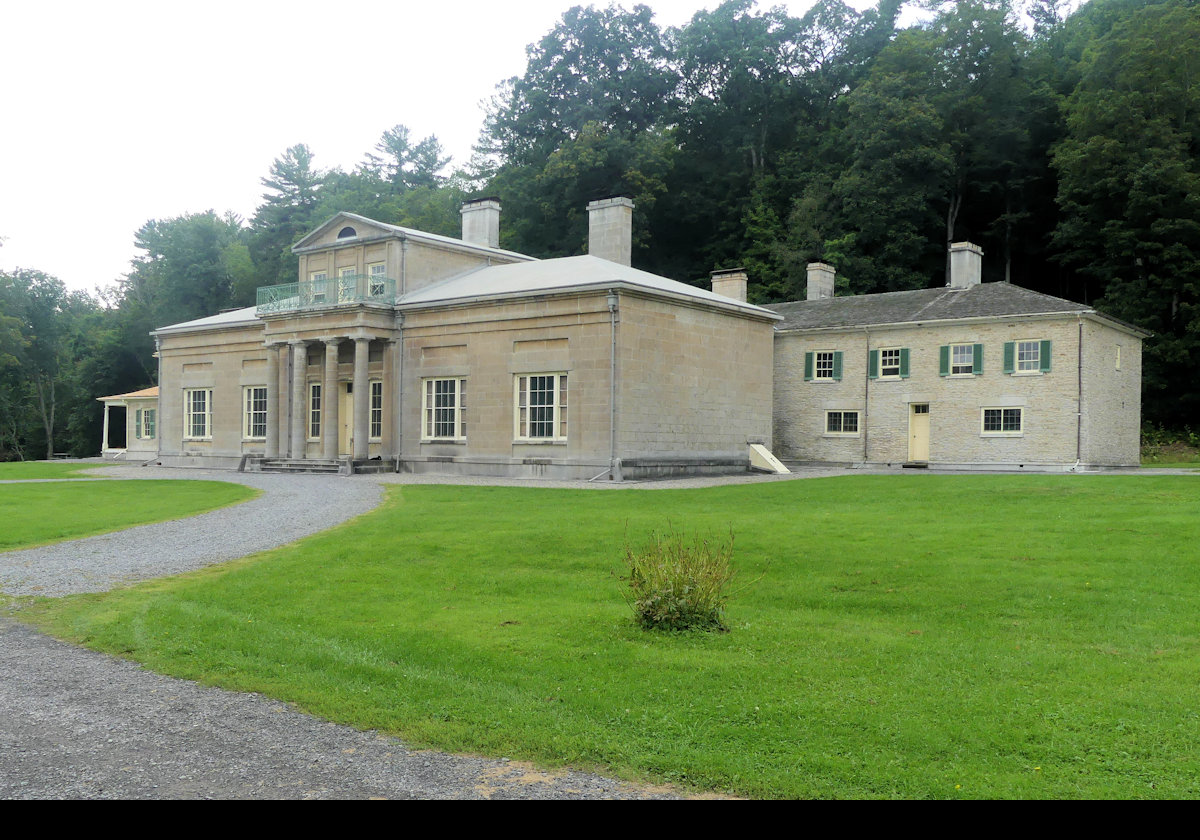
(24, 470)
(894, 636)
(37, 513)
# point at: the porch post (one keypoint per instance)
(104, 440)
(362, 401)
(329, 399)
(299, 378)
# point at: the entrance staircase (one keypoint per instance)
(341, 466)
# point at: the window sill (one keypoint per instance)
(546, 442)
(843, 435)
(1028, 373)
(441, 441)
(1002, 434)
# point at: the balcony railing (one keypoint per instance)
(322, 294)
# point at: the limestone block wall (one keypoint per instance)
(224, 361)
(1048, 401)
(694, 383)
(1112, 396)
(489, 346)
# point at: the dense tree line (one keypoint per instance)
(1064, 144)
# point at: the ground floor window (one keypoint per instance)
(144, 422)
(376, 431)
(254, 425)
(841, 423)
(314, 410)
(197, 413)
(443, 407)
(541, 407)
(1003, 421)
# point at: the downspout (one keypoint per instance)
(866, 424)
(1079, 399)
(404, 266)
(613, 466)
(158, 403)
(398, 407)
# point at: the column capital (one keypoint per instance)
(297, 342)
(333, 340)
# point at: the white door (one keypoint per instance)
(918, 432)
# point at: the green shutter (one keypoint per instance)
(944, 360)
(977, 367)
(1010, 351)
(137, 423)
(873, 365)
(808, 367)
(904, 363)
(1044, 357)
(837, 366)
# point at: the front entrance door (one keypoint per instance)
(918, 432)
(345, 418)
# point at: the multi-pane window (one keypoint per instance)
(824, 365)
(314, 410)
(962, 358)
(889, 362)
(143, 424)
(347, 280)
(841, 422)
(376, 431)
(197, 413)
(376, 273)
(1029, 358)
(1003, 421)
(541, 402)
(443, 405)
(318, 282)
(254, 426)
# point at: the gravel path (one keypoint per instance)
(80, 725)
(290, 507)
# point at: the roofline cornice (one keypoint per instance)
(1088, 314)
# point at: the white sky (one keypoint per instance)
(120, 112)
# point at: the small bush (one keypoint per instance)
(676, 583)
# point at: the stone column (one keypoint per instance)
(104, 440)
(387, 438)
(329, 399)
(272, 400)
(299, 382)
(362, 398)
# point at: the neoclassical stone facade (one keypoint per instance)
(402, 350)
(397, 349)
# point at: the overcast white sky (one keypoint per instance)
(120, 112)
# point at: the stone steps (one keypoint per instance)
(306, 465)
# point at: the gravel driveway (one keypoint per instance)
(75, 724)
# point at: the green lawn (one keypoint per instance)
(22, 470)
(896, 636)
(46, 512)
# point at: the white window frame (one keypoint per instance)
(375, 410)
(190, 414)
(842, 415)
(820, 373)
(524, 414)
(1027, 366)
(347, 293)
(376, 279)
(250, 411)
(318, 286)
(316, 411)
(146, 429)
(1004, 419)
(439, 395)
(883, 366)
(969, 364)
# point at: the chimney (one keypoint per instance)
(481, 222)
(820, 281)
(610, 229)
(966, 265)
(730, 282)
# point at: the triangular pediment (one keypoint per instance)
(344, 229)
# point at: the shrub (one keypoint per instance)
(676, 583)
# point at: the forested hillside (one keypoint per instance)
(1065, 145)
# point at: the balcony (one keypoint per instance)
(327, 293)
